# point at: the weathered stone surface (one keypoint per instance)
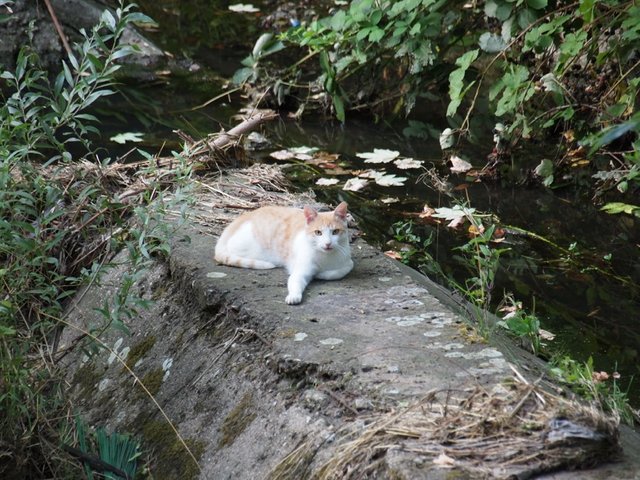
(247, 379)
(73, 16)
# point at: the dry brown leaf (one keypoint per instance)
(427, 212)
(393, 254)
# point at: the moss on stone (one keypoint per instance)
(238, 420)
(86, 378)
(139, 350)
(171, 458)
(152, 381)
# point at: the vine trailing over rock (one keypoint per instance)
(536, 66)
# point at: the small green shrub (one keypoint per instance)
(61, 220)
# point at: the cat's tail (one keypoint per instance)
(236, 261)
(227, 258)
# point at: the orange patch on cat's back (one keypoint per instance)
(273, 227)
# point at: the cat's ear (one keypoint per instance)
(341, 211)
(309, 213)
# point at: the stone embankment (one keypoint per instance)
(378, 375)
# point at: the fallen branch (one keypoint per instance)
(249, 124)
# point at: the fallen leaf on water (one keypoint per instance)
(301, 153)
(303, 150)
(444, 461)
(282, 155)
(407, 163)
(379, 155)
(123, 138)
(390, 180)
(327, 181)
(427, 212)
(459, 165)
(393, 254)
(546, 334)
(370, 173)
(243, 8)
(355, 184)
(326, 156)
(454, 213)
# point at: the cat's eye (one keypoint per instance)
(336, 231)
(318, 232)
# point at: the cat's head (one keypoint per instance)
(327, 229)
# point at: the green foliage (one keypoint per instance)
(265, 45)
(619, 207)
(364, 46)
(521, 324)
(483, 258)
(599, 387)
(60, 223)
(456, 90)
(541, 67)
(414, 249)
(118, 450)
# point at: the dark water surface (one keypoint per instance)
(592, 313)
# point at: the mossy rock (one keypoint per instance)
(171, 458)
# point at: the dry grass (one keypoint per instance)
(221, 198)
(515, 430)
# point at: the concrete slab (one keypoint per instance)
(261, 389)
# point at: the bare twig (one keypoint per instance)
(58, 27)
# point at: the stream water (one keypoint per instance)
(585, 292)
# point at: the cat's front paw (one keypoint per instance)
(293, 298)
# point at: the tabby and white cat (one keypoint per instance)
(307, 243)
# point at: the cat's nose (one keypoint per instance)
(327, 246)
